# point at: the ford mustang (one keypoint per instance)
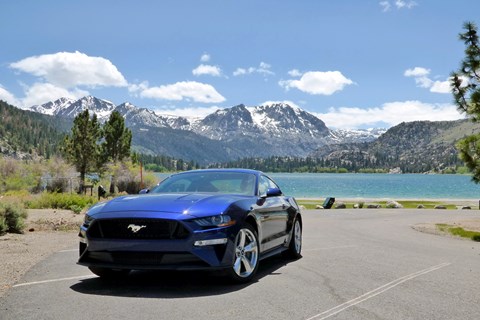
(217, 219)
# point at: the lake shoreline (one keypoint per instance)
(383, 199)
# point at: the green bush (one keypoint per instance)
(476, 237)
(3, 225)
(76, 209)
(74, 202)
(12, 218)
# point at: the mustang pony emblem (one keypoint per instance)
(135, 228)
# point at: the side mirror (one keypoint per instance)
(144, 191)
(273, 192)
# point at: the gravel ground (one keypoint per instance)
(46, 232)
(49, 231)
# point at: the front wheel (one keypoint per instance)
(294, 250)
(246, 256)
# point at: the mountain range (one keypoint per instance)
(226, 134)
(279, 129)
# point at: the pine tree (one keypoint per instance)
(466, 92)
(117, 142)
(81, 148)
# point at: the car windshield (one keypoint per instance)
(214, 181)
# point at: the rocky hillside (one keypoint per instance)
(419, 146)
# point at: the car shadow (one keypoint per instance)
(174, 284)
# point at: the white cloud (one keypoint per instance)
(184, 90)
(317, 82)
(205, 57)
(205, 69)
(441, 87)
(134, 88)
(399, 4)
(71, 69)
(8, 97)
(196, 112)
(40, 93)
(416, 72)
(422, 80)
(263, 69)
(385, 5)
(295, 73)
(240, 72)
(390, 114)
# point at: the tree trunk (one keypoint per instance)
(112, 185)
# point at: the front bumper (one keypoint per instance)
(200, 249)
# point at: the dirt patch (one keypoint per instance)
(52, 220)
(470, 225)
(50, 231)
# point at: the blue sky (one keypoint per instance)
(354, 64)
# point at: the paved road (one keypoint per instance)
(357, 264)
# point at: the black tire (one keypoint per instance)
(106, 273)
(294, 250)
(246, 256)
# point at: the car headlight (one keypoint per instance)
(215, 221)
(87, 220)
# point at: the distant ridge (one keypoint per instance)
(276, 131)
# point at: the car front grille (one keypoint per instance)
(137, 229)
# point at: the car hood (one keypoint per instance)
(175, 205)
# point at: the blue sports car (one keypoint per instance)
(225, 219)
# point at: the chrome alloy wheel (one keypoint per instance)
(297, 237)
(246, 253)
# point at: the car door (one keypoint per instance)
(271, 211)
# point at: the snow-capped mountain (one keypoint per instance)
(357, 135)
(273, 121)
(240, 131)
(52, 108)
(69, 108)
(141, 116)
(102, 108)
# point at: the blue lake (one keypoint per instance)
(357, 185)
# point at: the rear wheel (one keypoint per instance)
(107, 273)
(246, 255)
(294, 250)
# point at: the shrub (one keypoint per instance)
(74, 202)
(476, 237)
(12, 218)
(127, 177)
(75, 208)
(3, 225)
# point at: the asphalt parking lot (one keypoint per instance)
(356, 264)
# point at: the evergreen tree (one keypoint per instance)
(81, 148)
(117, 142)
(466, 92)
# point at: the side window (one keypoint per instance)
(265, 184)
(272, 184)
